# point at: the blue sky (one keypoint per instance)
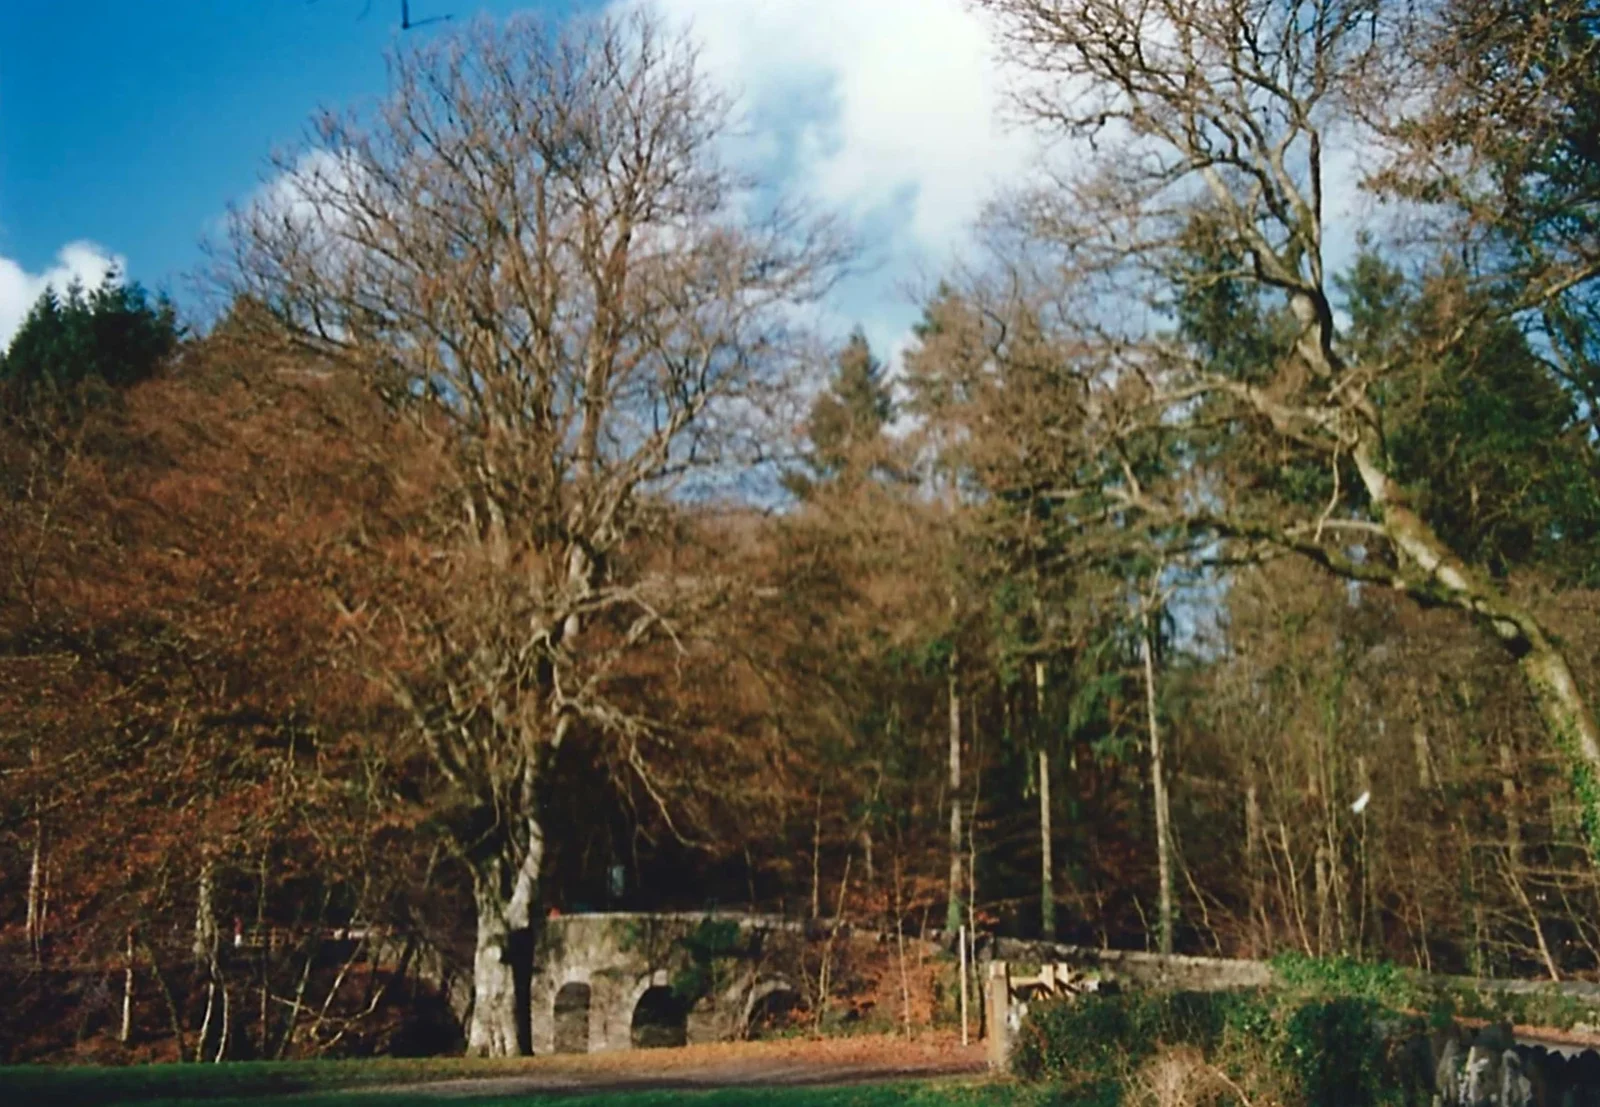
(131, 125)
(126, 128)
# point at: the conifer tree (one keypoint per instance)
(115, 334)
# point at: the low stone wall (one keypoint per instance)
(1136, 969)
(1174, 972)
(1486, 1066)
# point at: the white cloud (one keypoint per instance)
(890, 107)
(312, 194)
(887, 111)
(309, 201)
(20, 290)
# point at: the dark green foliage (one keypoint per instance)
(114, 335)
(1446, 1002)
(1499, 463)
(1242, 331)
(712, 940)
(1091, 1045)
(1490, 441)
(1538, 60)
(1086, 1046)
(1335, 1052)
(1221, 309)
(1341, 1051)
(1393, 987)
(855, 409)
(1381, 982)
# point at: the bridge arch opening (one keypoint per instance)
(572, 1018)
(774, 1008)
(660, 1020)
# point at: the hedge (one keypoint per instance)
(1325, 1051)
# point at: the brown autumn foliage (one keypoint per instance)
(282, 641)
(175, 699)
(221, 708)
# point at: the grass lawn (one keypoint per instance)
(360, 1084)
(920, 1073)
(875, 1095)
(95, 1084)
(392, 1083)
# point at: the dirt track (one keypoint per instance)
(743, 1064)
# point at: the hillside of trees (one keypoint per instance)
(508, 543)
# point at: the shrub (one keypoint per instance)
(1082, 1045)
(1181, 1076)
(1090, 1045)
(1322, 1052)
(1381, 982)
(1332, 1048)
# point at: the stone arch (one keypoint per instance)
(771, 996)
(629, 997)
(660, 1019)
(570, 1016)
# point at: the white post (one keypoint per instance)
(997, 994)
(962, 938)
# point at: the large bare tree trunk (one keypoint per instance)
(227, 1021)
(1366, 902)
(1566, 715)
(605, 278)
(205, 915)
(900, 947)
(1265, 185)
(1324, 880)
(205, 952)
(493, 1029)
(1159, 784)
(504, 890)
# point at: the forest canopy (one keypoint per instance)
(1215, 572)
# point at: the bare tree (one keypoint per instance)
(533, 251)
(1230, 118)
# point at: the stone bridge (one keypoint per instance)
(619, 981)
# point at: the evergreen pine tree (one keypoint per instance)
(114, 334)
(847, 417)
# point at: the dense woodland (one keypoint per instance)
(508, 542)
